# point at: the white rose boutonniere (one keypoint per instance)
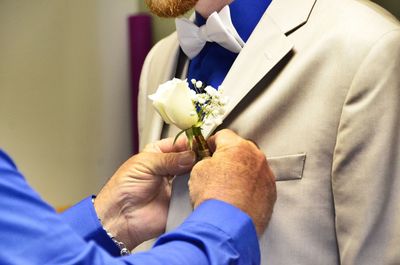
(190, 109)
(173, 101)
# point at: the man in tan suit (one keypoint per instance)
(317, 86)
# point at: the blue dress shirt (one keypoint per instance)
(32, 233)
(213, 62)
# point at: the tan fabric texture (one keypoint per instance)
(317, 86)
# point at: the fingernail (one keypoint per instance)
(187, 159)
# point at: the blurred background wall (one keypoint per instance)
(64, 92)
(65, 89)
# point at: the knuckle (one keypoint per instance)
(200, 166)
(139, 158)
(148, 147)
(220, 134)
(243, 144)
(253, 143)
(168, 158)
(224, 131)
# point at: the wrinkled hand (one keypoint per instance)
(237, 173)
(133, 205)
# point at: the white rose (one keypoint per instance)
(173, 101)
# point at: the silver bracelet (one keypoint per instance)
(124, 251)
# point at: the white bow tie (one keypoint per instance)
(218, 28)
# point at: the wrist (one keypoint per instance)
(116, 225)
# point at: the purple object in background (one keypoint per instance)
(140, 43)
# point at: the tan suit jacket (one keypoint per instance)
(317, 86)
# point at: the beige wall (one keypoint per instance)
(64, 92)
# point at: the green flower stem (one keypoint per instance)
(201, 147)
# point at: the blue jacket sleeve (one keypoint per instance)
(221, 231)
(82, 218)
(32, 233)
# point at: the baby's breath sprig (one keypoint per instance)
(210, 106)
(210, 103)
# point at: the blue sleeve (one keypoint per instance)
(32, 233)
(221, 231)
(82, 218)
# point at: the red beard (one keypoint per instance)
(170, 8)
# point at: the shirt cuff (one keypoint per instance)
(225, 233)
(82, 218)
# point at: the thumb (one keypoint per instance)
(173, 163)
(222, 139)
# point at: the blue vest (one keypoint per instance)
(212, 64)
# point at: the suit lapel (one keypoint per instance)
(266, 46)
(254, 61)
(289, 15)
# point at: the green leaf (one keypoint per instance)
(198, 124)
(189, 135)
(177, 136)
(196, 130)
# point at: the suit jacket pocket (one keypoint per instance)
(289, 167)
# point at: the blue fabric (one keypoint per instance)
(213, 62)
(32, 233)
(83, 219)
